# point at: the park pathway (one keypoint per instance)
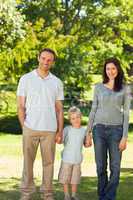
(12, 166)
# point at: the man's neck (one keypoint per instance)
(42, 73)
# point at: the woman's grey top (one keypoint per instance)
(110, 107)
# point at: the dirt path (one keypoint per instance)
(12, 166)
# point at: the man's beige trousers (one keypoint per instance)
(31, 141)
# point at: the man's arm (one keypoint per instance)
(21, 109)
(60, 121)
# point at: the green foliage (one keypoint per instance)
(83, 34)
(11, 24)
(15, 63)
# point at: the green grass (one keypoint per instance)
(11, 148)
(9, 188)
(10, 145)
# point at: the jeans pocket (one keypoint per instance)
(94, 131)
(97, 131)
(118, 132)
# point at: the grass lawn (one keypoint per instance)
(9, 188)
(11, 168)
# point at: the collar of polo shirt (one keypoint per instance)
(47, 77)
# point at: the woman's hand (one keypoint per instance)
(123, 144)
(88, 141)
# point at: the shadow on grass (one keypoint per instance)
(125, 190)
(10, 124)
(9, 188)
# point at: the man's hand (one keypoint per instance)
(58, 138)
(88, 141)
(123, 144)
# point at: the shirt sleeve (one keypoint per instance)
(126, 108)
(21, 90)
(60, 92)
(93, 111)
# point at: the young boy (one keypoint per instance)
(74, 136)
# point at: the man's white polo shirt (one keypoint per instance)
(41, 95)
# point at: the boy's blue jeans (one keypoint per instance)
(106, 143)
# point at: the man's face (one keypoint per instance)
(45, 60)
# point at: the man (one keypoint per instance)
(40, 113)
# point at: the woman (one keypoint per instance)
(108, 120)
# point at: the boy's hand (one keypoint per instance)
(58, 138)
(88, 141)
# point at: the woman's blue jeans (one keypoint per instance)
(106, 144)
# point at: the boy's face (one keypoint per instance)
(75, 120)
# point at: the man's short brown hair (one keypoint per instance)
(48, 50)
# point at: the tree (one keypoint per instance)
(100, 28)
(11, 24)
(82, 32)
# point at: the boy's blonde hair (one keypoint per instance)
(73, 110)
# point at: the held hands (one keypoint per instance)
(58, 138)
(123, 144)
(88, 141)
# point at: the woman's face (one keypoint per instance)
(111, 71)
